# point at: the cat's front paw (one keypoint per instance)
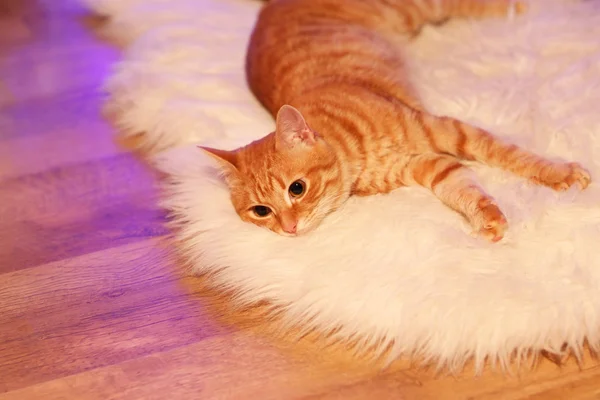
(488, 221)
(576, 175)
(561, 177)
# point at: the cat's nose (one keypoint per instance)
(291, 228)
(288, 221)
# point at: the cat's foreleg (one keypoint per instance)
(478, 8)
(416, 13)
(457, 187)
(419, 12)
(468, 142)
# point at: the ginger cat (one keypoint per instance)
(349, 123)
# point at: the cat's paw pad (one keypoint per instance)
(489, 221)
(562, 176)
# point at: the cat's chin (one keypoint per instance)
(282, 233)
(286, 234)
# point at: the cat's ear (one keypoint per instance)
(292, 128)
(226, 160)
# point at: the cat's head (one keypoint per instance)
(288, 181)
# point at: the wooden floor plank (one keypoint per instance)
(74, 209)
(111, 226)
(223, 367)
(48, 57)
(82, 186)
(99, 309)
(35, 137)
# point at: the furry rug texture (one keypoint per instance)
(400, 272)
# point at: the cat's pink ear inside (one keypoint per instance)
(292, 128)
(226, 160)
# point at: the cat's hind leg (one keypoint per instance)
(457, 187)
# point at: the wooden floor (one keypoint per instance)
(93, 303)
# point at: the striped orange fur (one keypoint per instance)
(348, 121)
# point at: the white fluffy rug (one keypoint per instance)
(398, 271)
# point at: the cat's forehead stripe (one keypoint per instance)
(320, 167)
(276, 179)
(262, 191)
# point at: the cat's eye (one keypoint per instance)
(261, 211)
(297, 188)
